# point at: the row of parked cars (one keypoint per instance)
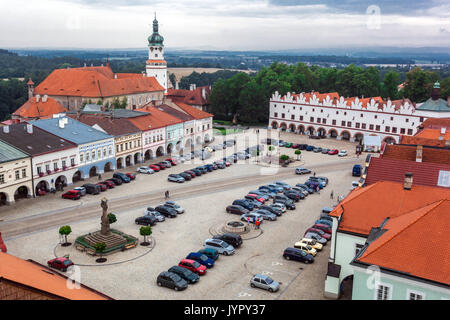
(306, 147)
(196, 264)
(169, 209)
(96, 188)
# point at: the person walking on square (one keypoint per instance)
(257, 224)
(167, 195)
(318, 189)
(332, 195)
(314, 174)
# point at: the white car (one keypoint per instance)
(355, 185)
(342, 153)
(146, 170)
(175, 206)
(281, 206)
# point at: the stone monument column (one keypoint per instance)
(105, 221)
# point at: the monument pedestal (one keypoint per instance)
(111, 240)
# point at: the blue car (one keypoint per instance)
(325, 221)
(210, 253)
(208, 167)
(121, 176)
(309, 148)
(201, 258)
(249, 205)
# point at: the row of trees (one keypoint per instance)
(247, 96)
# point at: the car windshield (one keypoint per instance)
(203, 258)
(67, 262)
(269, 280)
(196, 264)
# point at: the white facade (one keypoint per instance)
(342, 119)
(153, 143)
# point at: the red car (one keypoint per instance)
(172, 161)
(333, 151)
(2, 244)
(72, 194)
(323, 234)
(154, 167)
(255, 197)
(102, 186)
(227, 164)
(191, 173)
(108, 184)
(132, 176)
(323, 227)
(161, 165)
(192, 265)
(295, 146)
(60, 263)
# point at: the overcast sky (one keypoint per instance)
(225, 24)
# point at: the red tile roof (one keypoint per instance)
(191, 97)
(436, 123)
(95, 82)
(34, 275)
(415, 243)
(406, 152)
(115, 127)
(423, 141)
(433, 134)
(37, 110)
(194, 112)
(156, 119)
(424, 173)
(368, 206)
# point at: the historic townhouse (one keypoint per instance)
(194, 97)
(366, 208)
(54, 159)
(203, 124)
(96, 149)
(15, 174)
(38, 107)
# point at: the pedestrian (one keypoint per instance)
(318, 189)
(257, 224)
(332, 195)
(314, 174)
(167, 195)
(99, 177)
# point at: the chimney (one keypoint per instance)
(6, 129)
(419, 152)
(30, 85)
(177, 85)
(204, 93)
(61, 123)
(115, 75)
(191, 87)
(44, 98)
(29, 128)
(38, 97)
(66, 120)
(407, 185)
(442, 135)
(85, 65)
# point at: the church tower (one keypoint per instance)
(156, 65)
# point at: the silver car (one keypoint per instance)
(81, 189)
(279, 205)
(175, 178)
(175, 206)
(221, 246)
(267, 215)
(146, 170)
(316, 237)
(152, 212)
(252, 217)
(264, 282)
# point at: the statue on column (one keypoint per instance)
(105, 221)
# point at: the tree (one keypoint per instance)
(298, 153)
(100, 248)
(173, 79)
(112, 218)
(65, 231)
(390, 85)
(419, 84)
(145, 232)
(284, 157)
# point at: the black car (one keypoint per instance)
(171, 280)
(203, 170)
(234, 239)
(287, 202)
(236, 209)
(116, 181)
(302, 146)
(305, 187)
(196, 171)
(294, 195)
(188, 275)
(249, 205)
(186, 176)
(92, 188)
(297, 255)
(273, 210)
(147, 220)
(121, 176)
(167, 211)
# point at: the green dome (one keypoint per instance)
(155, 39)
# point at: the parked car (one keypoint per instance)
(252, 217)
(301, 170)
(267, 215)
(312, 243)
(284, 185)
(260, 194)
(325, 150)
(236, 209)
(320, 232)
(167, 211)
(325, 228)
(72, 194)
(185, 176)
(252, 196)
(247, 204)
(305, 187)
(168, 164)
(333, 152)
(234, 239)
(196, 171)
(221, 246)
(316, 237)
(325, 222)
(297, 255)
(308, 249)
(356, 171)
(288, 203)
(60, 263)
(91, 188)
(185, 274)
(121, 176)
(201, 258)
(194, 266)
(171, 280)
(102, 187)
(108, 184)
(82, 190)
(130, 175)
(210, 253)
(275, 210)
(145, 170)
(146, 220)
(264, 282)
(317, 149)
(175, 206)
(191, 173)
(175, 178)
(157, 215)
(309, 148)
(300, 191)
(164, 165)
(342, 153)
(294, 195)
(278, 205)
(172, 161)
(157, 165)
